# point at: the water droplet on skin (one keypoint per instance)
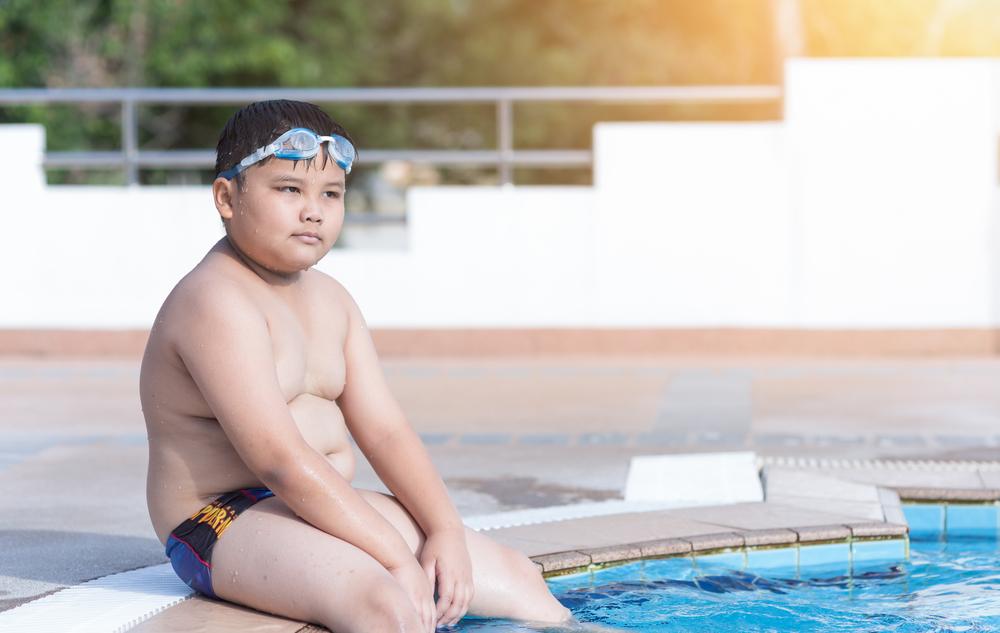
(258, 531)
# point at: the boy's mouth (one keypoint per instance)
(308, 237)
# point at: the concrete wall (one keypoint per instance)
(872, 205)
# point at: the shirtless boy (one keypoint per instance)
(256, 369)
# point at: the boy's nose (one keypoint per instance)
(312, 211)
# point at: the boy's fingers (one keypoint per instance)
(465, 602)
(455, 609)
(461, 599)
(446, 601)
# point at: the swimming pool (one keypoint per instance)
(950, 582)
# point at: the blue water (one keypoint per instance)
(953, 586)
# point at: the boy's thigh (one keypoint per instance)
(394, 512)
(271, 560)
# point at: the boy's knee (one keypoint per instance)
(520, 564)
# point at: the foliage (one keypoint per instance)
(68, 43)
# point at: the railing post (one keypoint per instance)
(505, 141)
(130, 141)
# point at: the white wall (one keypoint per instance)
(92, 257)
(872, 205)
(895, 169)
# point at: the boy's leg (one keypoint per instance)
(271, 560)
(507, 584)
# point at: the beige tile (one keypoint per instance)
(714, 541)
(664, 547)
(202, 615)
(613, 553)
(579, 534)
(562, 560)
(990, 478)
(908, 478)
(540, 401)
(795, 482)
(948, 494)
(822, 533)
(753, 538)
(859, 530)
(768, 515)
(847, 510)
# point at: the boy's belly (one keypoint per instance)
(177, 488)
(322, 426)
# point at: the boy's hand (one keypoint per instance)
(414, 583)
(445, 559)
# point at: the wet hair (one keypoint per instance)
(260, 123)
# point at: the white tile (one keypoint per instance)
(700, 479)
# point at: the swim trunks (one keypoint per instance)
(189, 546)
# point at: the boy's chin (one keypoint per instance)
(292, 268)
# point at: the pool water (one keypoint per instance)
(945, 586)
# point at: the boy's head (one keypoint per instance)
(261, 123)
(276, 215)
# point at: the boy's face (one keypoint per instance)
(287, 215)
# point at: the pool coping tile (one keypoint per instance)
(819, 533)
(754, 538)
(664, 547)
(862, 530)
(706, 542)
(948, 494)
(562, 561)
(613, 553)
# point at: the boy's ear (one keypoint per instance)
(224, 193)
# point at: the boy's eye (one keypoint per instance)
(289, 189)
(332, 194)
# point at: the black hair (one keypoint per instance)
(260, 123)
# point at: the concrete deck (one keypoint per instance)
(518, 433)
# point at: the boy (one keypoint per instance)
(256, 368)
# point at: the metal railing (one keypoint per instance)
(130, 158)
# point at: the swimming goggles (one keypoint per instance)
(299, 144)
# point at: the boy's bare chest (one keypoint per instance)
(307, 339)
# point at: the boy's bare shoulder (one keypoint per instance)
(217, 291)
(330, 287)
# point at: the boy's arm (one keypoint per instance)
(395, 451)
(225, 344)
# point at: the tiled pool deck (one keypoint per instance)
(841, 442)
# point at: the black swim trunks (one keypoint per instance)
(189, 546)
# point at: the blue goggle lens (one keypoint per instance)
(299, 144)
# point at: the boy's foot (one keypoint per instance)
(571, 626)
